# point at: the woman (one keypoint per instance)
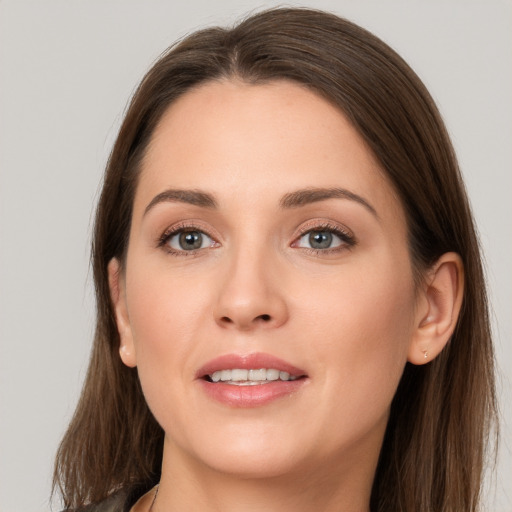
(291, 307)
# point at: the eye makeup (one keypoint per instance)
(317, 237)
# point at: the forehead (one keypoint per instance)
(254, 143)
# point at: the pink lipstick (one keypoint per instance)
(249, 380)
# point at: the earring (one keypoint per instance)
(425, 354)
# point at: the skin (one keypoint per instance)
(349, 316)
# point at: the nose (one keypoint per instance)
(250, 296)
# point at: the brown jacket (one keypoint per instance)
(120, 501)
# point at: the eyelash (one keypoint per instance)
(163, 240)
(348, 239)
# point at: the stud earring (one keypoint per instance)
(425, 354)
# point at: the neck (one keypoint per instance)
(187, 484)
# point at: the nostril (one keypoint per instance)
(245, 322)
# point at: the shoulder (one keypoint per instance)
(120, 501)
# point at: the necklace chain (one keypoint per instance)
(154, 499)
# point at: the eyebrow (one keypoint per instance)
(313, 195)
(194, 197)
(288, 201)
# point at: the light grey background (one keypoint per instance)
(67, 69)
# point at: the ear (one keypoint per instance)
(118, 296)
(438, 309)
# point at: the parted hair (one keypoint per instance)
(442, 419)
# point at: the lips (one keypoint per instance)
(249, 380)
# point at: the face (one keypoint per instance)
(267, 297)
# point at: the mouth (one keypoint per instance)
(250, 380)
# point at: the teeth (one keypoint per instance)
(238, 375)
(272, 374)
(256, 374)
(250, 377)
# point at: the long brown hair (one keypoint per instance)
(434, 450)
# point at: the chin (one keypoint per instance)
(257, 455)
(253, 464)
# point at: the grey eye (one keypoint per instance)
(189, 241)
(320, 240)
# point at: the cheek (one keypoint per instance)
(360, 337)
(368, 308)
(163, 313)
(163, 308)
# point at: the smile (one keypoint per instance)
(249, 377)
(249, 380)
